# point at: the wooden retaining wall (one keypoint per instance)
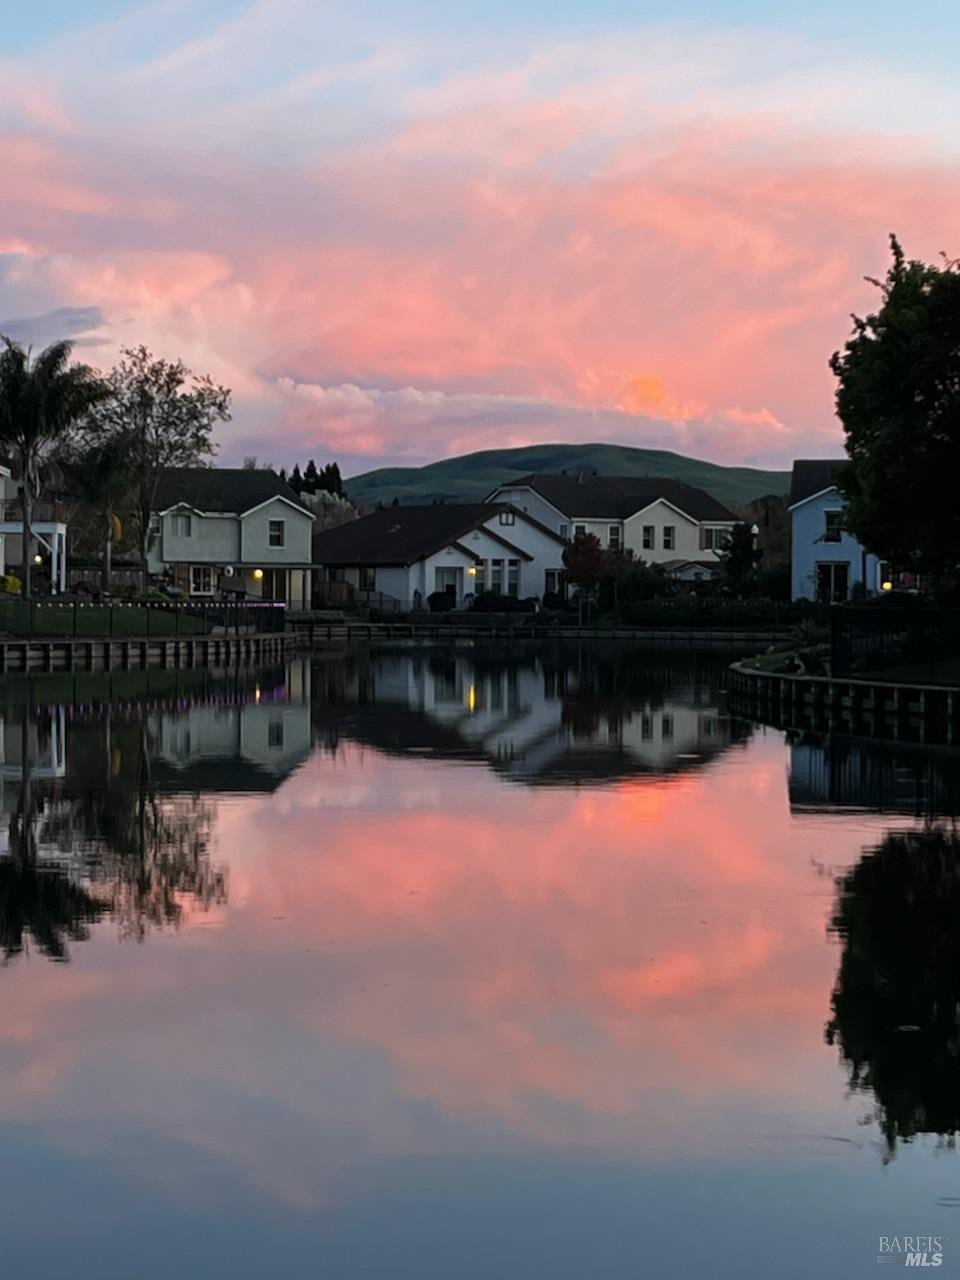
(319, 634)
(132, 654)
(861, 707)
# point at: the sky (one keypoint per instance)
(405, 231)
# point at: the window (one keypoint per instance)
(368, 577)
(155, 525)
(833, 526)
(579, 530)
(201, 579)
(275, 734)
(513, 577)
(715, 539)
(480, 578)
(508, 517)
(613, 537)
(564, 531)
(551, 584)
(666, 728)
(496, 576)
(833, 581)
(669, 537)
(646, 727)
(649, 537)
(182, 525)
(277, 533)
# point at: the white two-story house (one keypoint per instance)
(664, 522)
(827, 563)
(218, 529)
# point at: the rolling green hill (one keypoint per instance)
(471, 477)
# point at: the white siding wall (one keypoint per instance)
(528, 500)
(212, 540)
(255, 541)
(660, 515)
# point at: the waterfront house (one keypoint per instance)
(827, 562)
(399, 556)
(219, 529)
(660, 521)
(49, 533)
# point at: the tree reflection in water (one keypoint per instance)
(896, 1003)
(102, 843)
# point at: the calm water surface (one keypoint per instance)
(429, 966)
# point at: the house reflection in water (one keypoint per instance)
(584, 717)
(107, 809)
(250, 742)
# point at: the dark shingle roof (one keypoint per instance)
(813, 475)
(403, 535)
(617, 497)
(220, 488)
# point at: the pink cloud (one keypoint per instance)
(501, 265)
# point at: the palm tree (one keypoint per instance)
(41, 399)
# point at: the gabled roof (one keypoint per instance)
(812, 476)
(618, 497)
(227, 489)
(404, 535)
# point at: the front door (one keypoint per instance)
(449, 579)
(833, 581)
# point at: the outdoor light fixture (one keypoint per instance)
(258, 574)
(472, 571)
(38, 558)
(886, 586)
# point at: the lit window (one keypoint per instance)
(508, 517)
(669, 537)
(277, 533)
(649, 536)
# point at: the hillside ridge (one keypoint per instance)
(470, 477)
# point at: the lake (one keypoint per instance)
(459, 965)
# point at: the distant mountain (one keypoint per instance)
(471, 477)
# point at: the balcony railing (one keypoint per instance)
(43, 511)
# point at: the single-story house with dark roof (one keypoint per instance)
(402, 555)
(691, 570)
(658, 520)
(216, 529)
(826, 562)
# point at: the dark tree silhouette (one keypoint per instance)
(896, 1003)
(38, 899)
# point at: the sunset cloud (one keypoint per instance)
(398, 247)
